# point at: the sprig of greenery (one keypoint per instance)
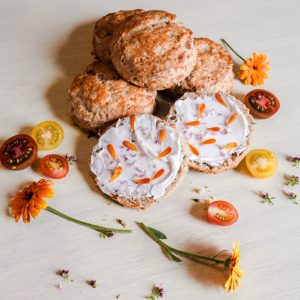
(292, 180)
(266, 198)
(173, 253)
(292, 196)
(156, 293)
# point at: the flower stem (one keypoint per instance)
(91, 226)
(226, 44)
(191, 256)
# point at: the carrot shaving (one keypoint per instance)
(142, 181)
(164, 153)
(130, 146)
(158, 174)
(231, 119)
(162, 136)
(116, 174)
(209, 141)
(201, 109)
(132, 122)
(230, 146)
(220, 100)
(214, 128)
(111, 150)
(193, 149)
(192, 123)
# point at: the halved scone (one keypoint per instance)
(139, 160)
(217, 129)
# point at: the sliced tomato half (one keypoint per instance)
(48, 135)
(222, 213)
(262, 104)
(54, 166)
(18, 152)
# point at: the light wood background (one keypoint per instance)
(43, 45)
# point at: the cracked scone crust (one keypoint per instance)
(99, 96)
(105, 29)
(212, 73)
(213, 125)
(152, 49)
(140, 163)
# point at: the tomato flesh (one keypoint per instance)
(222, 213)
(54, 166)
(48, 135)
(18, 152)
(262, 104)
(261, 163)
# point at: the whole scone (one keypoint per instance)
(152, 49)
(216, 128)
(99, 96)
(139, 160)
(212, 73)
(105, 29)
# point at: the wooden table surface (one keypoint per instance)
(43, 45)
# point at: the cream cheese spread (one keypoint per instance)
(139, 157)
(214, 127)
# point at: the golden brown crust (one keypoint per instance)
(153, 50)
(235, 159)
(99, 96)
(144, 203)
(212, 72)
(105, 29)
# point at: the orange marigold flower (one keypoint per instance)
(30, 201)
(255, 69)
(235, 273)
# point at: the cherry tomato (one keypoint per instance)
(18, 152)
(261, 163)
(54, 166)
(262, 104)
(222, 213)
(48, 135)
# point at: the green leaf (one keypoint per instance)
(158, 234)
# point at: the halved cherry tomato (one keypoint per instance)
(18, 152)
(54, 166)
(48, 135)
(261, 163)
(222, 213)
(262, 104)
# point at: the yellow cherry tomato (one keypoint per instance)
(261, 163)
(48, 135)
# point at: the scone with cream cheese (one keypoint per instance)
(152, 49)
(212, 73)
(139, 160)
(99, 96)
(217, 129)
(104, 31)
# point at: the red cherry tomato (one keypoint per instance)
(18, 152)
(262, 104)
(222, 213)
(54, 166)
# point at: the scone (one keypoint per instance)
(99, 96)
(152, 49)
(138, 161)
(212, 73)
(216, 128)
(105, 29)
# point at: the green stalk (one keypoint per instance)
(91, 226)
(224, 42)
(191, 256)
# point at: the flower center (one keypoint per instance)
(28, 195)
